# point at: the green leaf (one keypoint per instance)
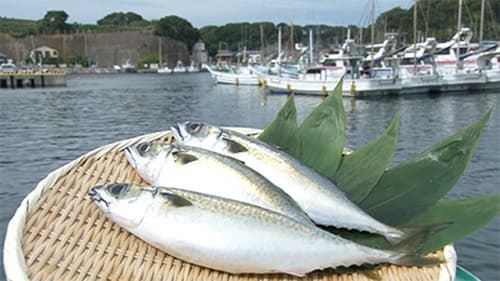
(322, 134)
(464, 216)
(283, 132)
(359, 171)
(419, 183)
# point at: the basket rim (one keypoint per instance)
(13, 257)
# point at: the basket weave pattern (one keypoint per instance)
(67, 238)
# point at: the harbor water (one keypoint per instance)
(43, 129)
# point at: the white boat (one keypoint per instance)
(381, 84)
(164, 69)
(239, 76)
(128, 67)
(8, 66)
(321, 80)
(179, 67)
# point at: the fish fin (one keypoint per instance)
(184, 157)
(233, 146)
(415, 236)
(175, 200)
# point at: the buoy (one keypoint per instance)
(353, 88)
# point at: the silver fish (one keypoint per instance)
(320, 198)
(205, 171)
(229, 235)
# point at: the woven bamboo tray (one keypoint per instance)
(57, 233)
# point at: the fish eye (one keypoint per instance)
(193, 127)
(117, 188)
(143, 147)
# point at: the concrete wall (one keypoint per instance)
(107, 49)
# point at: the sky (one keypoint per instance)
(212, 12)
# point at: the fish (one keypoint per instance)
(233, 236)
(318, 196)
(205, 171)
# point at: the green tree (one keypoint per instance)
(74, 60)
(209, 36)
(121, 19)
(177, 28)
(54, 22)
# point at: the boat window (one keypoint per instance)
(445, 51)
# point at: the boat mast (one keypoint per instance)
(310, 47)
(415, 38)
(159, 52)
(372, 27)
(459, 25)
(262, 54)
(279, 44)
(481, 24)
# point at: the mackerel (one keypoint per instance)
(232, 236)
(319, 197)
(205, 171)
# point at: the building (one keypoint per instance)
(200, 54)
(224, 58)
(42, 53)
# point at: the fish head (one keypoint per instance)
(148, 158)
(197, 134)
(125, 204)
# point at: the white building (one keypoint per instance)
(40, 53)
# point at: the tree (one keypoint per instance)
(122, 19)
(177, 28)
(54, 22)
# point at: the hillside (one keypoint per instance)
(435, 18)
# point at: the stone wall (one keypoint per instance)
(107, 49)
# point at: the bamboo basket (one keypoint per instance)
(57, 233)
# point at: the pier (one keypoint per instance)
(32, 79)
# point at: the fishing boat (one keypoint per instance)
(179, 67)
(360, 77)
(128, 67)
(235, 76)
(56, 233)
(317, 81)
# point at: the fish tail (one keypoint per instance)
(416, 260)
(407, 250)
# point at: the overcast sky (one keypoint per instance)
(213, 12)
